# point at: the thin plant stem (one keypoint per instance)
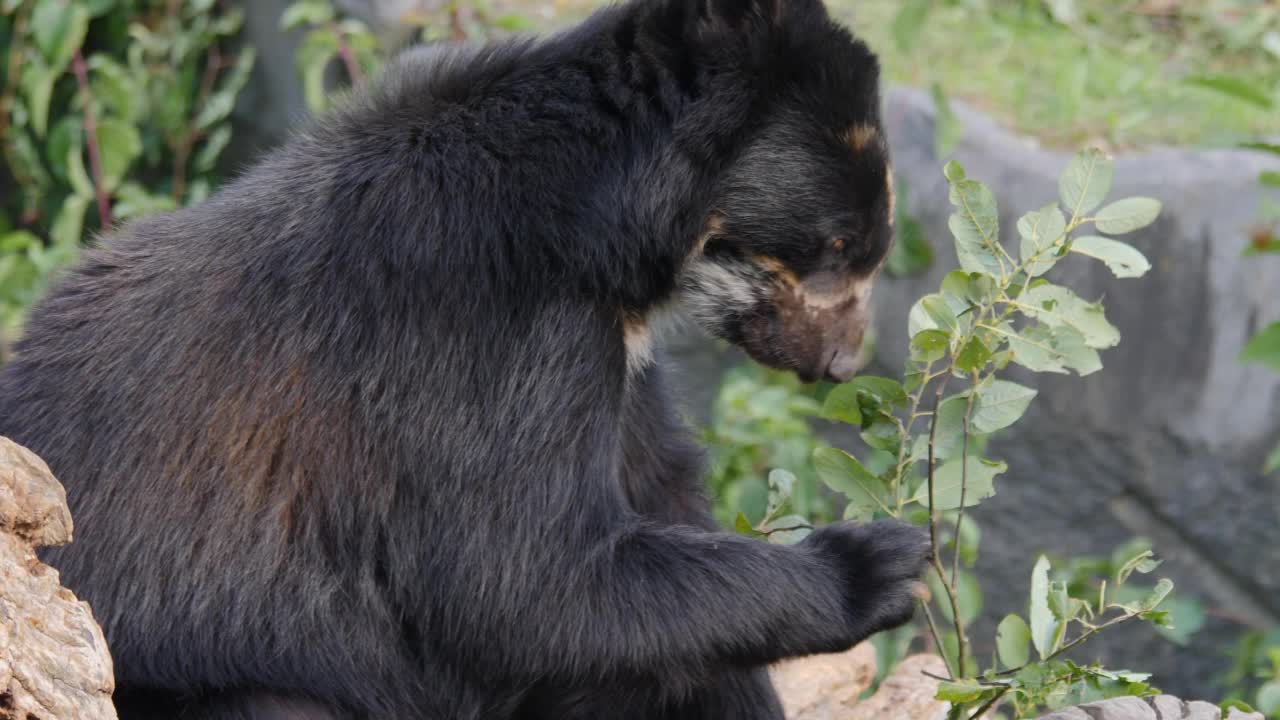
(81, 71)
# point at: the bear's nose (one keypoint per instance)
(843, 366)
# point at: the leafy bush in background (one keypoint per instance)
(350, 43)
(109, 109)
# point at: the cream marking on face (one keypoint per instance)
(638, 339)
(856, 291)
(709, 286)
(859, 137)
(893, 194)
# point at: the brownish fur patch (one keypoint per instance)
(712, 228)
(859, 137)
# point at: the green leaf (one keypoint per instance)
(37, 82)
(132, 200)
(1128, 215)
(973, 356)
(949, 436)
(882, 434)
(1144, 562)
(1086, 181)
(1235, 88)
(1074, 350)
(1123, 259)
(1157, 596)
(118, 146)
(781, 485)
(999, 405)
(886, 392)
(842, 404)
(115, 88)
(962, 691)
(1264, 348)
(842, 472)
(308, 12)
(1044, 628)
(1269, 698)
(1013, 640)
(931, 344)
(59, 28)
(1055, 306)
(947, 483)
(69, 224)
(976, 228)
(743, 526)
(1041, 230)
(939, 312)
(314, 56)
(217, 141)
(76, 174)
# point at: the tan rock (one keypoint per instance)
(54, 663)
(824, 687)
(908, 693)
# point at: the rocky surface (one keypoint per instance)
(54, 663)
(1163, 707)
(827, 687)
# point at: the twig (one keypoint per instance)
(349, 59)
(988, 705)
(964, 477)
(947, 585)
(1075, 643)
(32, 212)
(455, 23)
(91, 139)
(937, 638)
(182, 150)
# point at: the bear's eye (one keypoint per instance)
(839, 242)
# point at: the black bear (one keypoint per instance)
(377, 430)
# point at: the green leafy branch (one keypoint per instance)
(926, 460)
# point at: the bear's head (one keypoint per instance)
(802, 216)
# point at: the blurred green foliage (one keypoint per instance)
(1118, 72)
(109, 109)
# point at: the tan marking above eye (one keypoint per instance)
(776, 268)
(858, 137)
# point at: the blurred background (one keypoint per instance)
(113, 109)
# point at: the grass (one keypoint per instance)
(1114, 72)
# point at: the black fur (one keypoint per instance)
(357, 437)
